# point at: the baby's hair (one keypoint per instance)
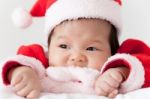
(113, 38)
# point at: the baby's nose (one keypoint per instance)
(78, 57)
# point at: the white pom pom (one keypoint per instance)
(21, 18)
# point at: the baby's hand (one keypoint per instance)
(25, 82)
(108, 83)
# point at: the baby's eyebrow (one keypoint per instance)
(61, 37)
(96, 41)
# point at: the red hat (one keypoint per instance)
(57, 11)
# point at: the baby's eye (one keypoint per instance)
(64, 46)
(92, 49)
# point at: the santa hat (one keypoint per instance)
(57, 11)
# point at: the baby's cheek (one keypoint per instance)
(52, 60)
(57, 60)
(97, 63)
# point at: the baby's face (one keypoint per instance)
(83, 43)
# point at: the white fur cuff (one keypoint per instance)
(28, 61)
(135, 79)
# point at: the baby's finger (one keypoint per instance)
(100, 91)
(20, 85)
(117, 76)
(34, 94)
(106, 87)
(16, 80)
(103, 88)
(113, 94)
(25, 91)
(112, 82)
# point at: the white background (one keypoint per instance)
(136, 21)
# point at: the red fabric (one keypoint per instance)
(40, 7)
(117, 63)
(50, 2)
(133, 46)
(138, 49)
(141, 51)
(5, 70)
(35, 51)
(145, 59)
(119, 2)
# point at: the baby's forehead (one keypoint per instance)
(87, 20)
(83, 24)
(83, 28)
(82, 40)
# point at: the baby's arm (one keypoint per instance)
(18, 70)
(25, 82)
(30, 55)
(108, 83)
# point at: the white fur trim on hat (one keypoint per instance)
(21, 18)
(63, 10)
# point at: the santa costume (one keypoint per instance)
(133, 54)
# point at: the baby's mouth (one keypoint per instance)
(76, 81)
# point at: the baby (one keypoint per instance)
(83, 43)
(81, 33)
